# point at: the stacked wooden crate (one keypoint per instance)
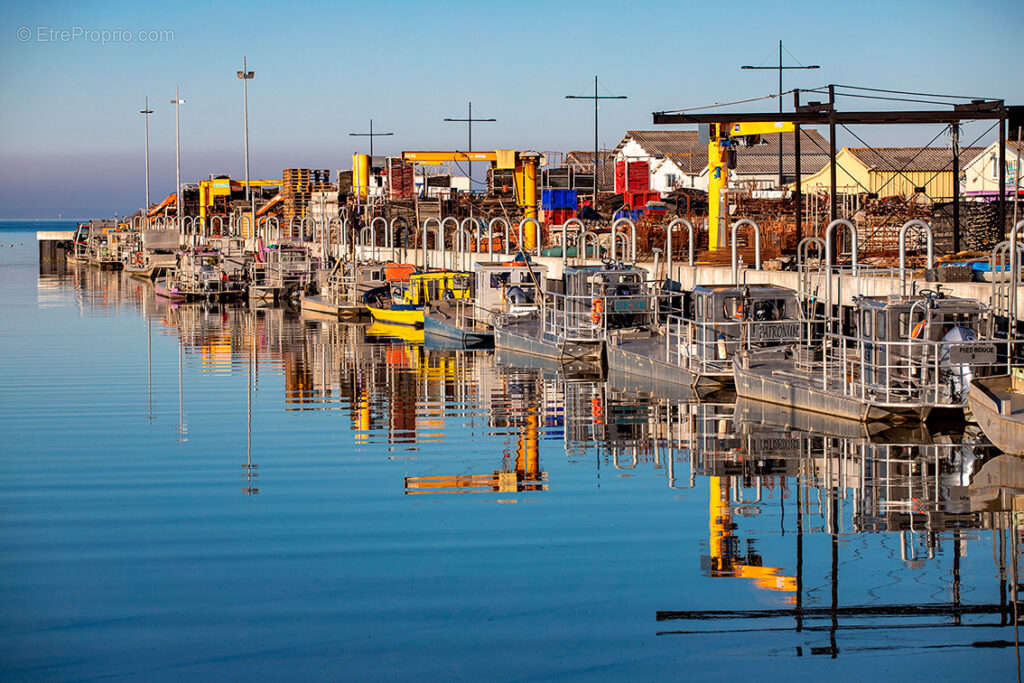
(295, 192)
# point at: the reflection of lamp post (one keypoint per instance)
(249, 467)
(146, 111)
(177, 102)
(595, 97)
(181, 393)
(780, 68)
(245, 75)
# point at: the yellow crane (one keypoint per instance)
(722, 141)
(524, 165)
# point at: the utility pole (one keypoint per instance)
(370, 135)
(780, 69)
(469, 120)
(245, 76)
(177, 102)
(146, 111)
(596, 98)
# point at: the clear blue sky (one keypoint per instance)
(73, 141)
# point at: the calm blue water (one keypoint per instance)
(137, 542)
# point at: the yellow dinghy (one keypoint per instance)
(408, 297)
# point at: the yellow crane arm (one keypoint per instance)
(760, 128)
(442, 157)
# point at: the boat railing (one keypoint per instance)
(283, 270)
(341, 289)
(466, 314)
(708, 347)
(907, 373)
(585, 318)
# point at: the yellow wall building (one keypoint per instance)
(889, 171)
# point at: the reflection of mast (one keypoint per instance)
(149, 367)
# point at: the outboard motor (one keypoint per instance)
(959, 376)
(376, 296)
(518, 296)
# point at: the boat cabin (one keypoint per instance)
(80, 242)
(922, 348)
(422, 288)
(288, 266)
(507, 286)
(729, 317)
(613, 296)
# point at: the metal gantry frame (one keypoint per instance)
(826, 114)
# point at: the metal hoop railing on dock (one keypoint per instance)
(757, 246)
(914, 223)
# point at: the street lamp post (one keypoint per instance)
(146, 111)
(245, 76)
(370, 135)
(469, 120)
(177, 102)
(595, 97)
(780, 69)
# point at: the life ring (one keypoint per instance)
(596, 309)
(918, 330)
(595, 407)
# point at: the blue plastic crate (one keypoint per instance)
(558, 199)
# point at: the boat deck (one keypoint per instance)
(646, 357)
(774, 379)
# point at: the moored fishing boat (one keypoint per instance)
(579, 313)
(167, 288)
(697, 345)
(997, 404)
(281, 272)
(498, 288)
(402, 302)
(906, 357)
(105, 247)
(203, 274)
(79, 252)
(150, 254)
(341, 295)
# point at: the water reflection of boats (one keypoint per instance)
(922, 487)
(382, 332)
(517, 401)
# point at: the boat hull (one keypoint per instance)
(992, 403)
(398, 316)
(786, 386)
(343, 311)
(435, 327)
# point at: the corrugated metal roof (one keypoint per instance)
(911, 159)
(687, 153)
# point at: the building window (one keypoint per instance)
(995, 167)
(670, 180)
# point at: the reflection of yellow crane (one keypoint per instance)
(524, 476)
(726, 557)
(722, 142)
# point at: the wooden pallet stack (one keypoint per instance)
(295, 193)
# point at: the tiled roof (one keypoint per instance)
(912, 158)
